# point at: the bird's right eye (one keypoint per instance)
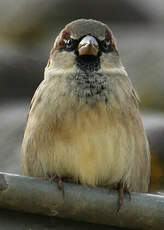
(69, 44)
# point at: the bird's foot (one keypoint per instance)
(60, 181)
(122, 189)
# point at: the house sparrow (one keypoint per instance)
(84, 121)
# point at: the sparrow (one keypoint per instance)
(84, 120)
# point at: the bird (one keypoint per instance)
(84, 122)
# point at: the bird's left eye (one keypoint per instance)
(69, 44)
(106, 46)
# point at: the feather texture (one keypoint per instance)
(87, 125)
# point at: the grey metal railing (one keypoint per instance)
(94, 205)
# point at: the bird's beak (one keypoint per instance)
(88, 46)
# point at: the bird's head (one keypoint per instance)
(86, 45)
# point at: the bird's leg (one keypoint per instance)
(53, 177)
(60, 185)
(122, 189)
(60, 181)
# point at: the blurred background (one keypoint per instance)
(27, 33)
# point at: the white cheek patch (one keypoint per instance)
(63, 60)
(111, 64)
(61, 63)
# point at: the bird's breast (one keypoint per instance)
(87, 146)
(91, 87)
(83, 133)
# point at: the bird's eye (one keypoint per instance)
(69, 44)
(106, 46)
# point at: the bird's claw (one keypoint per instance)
(122, 189)
(60, 181)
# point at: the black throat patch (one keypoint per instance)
(88, 63)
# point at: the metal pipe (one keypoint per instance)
(94, 205)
